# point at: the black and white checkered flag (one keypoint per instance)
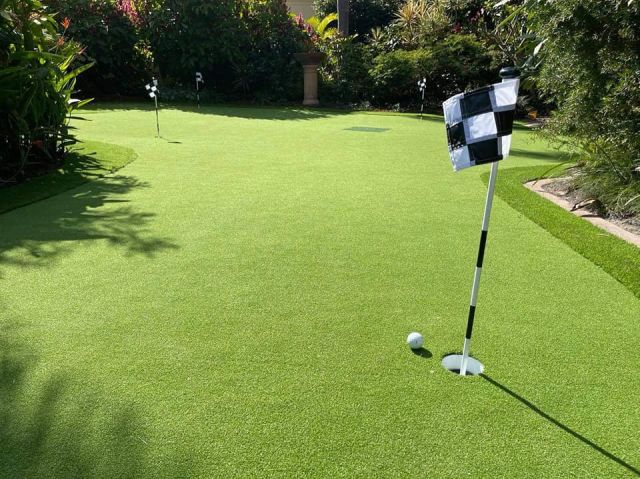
(199, 78)
(480, 123)
(422, 85)
(152, 88)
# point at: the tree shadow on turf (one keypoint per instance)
(38, 233)
(249, 112)
(564, 427)
(53, 427)
(554, 156)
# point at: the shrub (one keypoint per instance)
(364, 14)
(269, 70)
(345, 73)
(456, 64)
(243, 47)
(395, 74)
(108, 29)
(35, 94)
(591, 70)
(195, 35)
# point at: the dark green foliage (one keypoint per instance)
(36, 84)
(109, 32)
(395, 75)
(456, 64)
(591, 71)
(365, 14)
(345, 73)
(190, 35)
(268, 69)
(244, 48)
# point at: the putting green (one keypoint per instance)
(234, 303)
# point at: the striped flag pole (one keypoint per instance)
(152, 89)
(157, 116)
(199, 79)
(506, 74)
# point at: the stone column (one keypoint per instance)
(310, 63)
(310, 85)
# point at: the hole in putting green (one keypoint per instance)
(453, 362)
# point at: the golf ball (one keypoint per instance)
(415, 340)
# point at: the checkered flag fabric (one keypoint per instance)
(479, 124)
(152, 88)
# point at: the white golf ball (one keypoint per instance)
(415, 340)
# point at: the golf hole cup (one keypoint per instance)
(415, 340)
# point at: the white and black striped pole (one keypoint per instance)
(422, 85)
(152, 89)
(199, 79)
(508, 73)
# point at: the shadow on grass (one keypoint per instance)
(423, 353)
(250, 112)
(99, 210)
(50, 428)
(555, 156)
(84, 163)
(564, 427)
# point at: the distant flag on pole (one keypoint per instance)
(199, 81)
(152, 89)
(479, 124)
(422, 86)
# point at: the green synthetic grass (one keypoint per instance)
(617, 257)
(86, 161)
(235, 302)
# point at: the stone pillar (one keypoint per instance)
(310, 85)
(310, 63)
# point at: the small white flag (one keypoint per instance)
(199, 78)
(480, 123)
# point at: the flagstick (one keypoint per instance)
(422, 106)
(198, 93)
(478, 273)
(157, 116)
(506, 74)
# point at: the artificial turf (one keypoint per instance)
(617, 257)
(234, 303)
(84, 162)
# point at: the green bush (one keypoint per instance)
(591, 71)
(36, 84)
(345, 73)
(457, 63)
(364, 14)
(108, 30)
(395, 75)
(243, 47)
(269, 70)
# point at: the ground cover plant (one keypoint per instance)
(234, 303)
